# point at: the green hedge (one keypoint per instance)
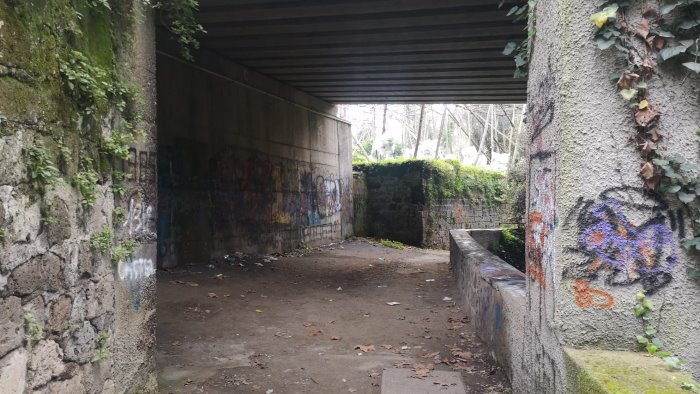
(445, 179)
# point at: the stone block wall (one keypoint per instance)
(61, 299)
(245, 163)
(441, 216)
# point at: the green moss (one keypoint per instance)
(511, 247)
(391, 244)
(444, 179)
(603, 372)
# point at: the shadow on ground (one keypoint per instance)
(292, 325)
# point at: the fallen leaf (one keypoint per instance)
(643, 104)
(387, 347)
(421, 371)
(627, 79)
(461, 354)
(658, 43)
(431, 355)
(336, 338)
(647, 171)
(654, 134)
(258, 311)
(642, 29)
(648, 147)
(374, 374)
(365, 348)
(188, 382)
(646, 117)
(211, 295)
(401, 364)
(447, 299)
(393, 303)
(314, 333)
(650, 12)
(307, 324)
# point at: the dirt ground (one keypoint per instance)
(292, 325)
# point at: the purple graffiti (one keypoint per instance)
(629, 253)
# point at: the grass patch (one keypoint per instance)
(392, 244)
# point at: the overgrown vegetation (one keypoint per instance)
(521, 51)
(105, 242)
(124, 251)
(33, 330)
(102, 240)
(653, 345)
(102, 350)
(446, 179)
(86, 183)
(391, 244)
(511, 247)
(41, 169)
(181, 23)
(669, 33)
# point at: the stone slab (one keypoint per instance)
(399, 381)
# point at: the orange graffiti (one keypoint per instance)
(534, 255)
(587, 297)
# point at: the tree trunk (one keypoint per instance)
(420, 128)
(442, 125)
(384, 119)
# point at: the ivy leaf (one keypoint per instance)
(657, 342)
(661, 33)
(510, 47)
(512, 10)
(670, 188)
(663, 354)
(688, 24)
(651, 349)
(693, 66)
(643, 104)
(651, 331)
(628, 94)
(668, 8)
(686, 197)
(605, 43)
(647, 304)
(670, 52)
(693, 273)
(600, 18)
(639, 311)
(642, 340)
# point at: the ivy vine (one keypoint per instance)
(665, 34)
(179, 18)
(521, 51)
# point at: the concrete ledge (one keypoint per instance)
(493, 294)
(602, 372)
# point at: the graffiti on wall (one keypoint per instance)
(139, 218)
(628, 235)
(542, 215)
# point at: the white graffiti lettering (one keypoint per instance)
(139, 218)
(136, 269)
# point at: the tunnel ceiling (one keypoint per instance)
(372, 51)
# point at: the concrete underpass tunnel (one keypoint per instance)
(251, 155)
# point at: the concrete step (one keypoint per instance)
(399, 381)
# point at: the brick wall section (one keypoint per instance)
(442, 216)
(396, 208)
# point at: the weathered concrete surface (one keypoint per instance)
(246, 164)
(615, 372)
(399, 381)
(582, 162)
(495, 299)
(258, 329)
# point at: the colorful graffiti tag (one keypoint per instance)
(621, 251)
(587, 297)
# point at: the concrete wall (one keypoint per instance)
(245, 165)
(584, 179)
(48, 268)
(494, 296)
(439, 217)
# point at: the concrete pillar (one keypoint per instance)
(595, 236)
(134, 332)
